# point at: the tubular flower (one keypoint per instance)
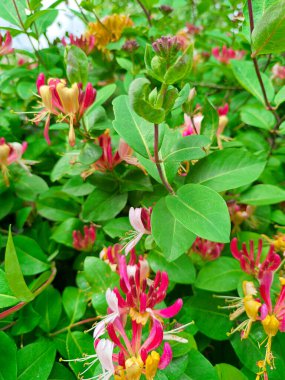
(6, 45)
(108, 30)
(166, 47)
(192, 126)
(85, 43)
(109, 159)
(278, 241)
(251, 263)
(272, 318)
(85, 241)
(207, 249)
(140, 221)
(247, 304)
(239, 213)
(278, 72)
(224, 55)
(10, 153)
(68, 104)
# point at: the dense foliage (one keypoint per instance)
(141, 184)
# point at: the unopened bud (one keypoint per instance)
(130, 46)
(166, 9)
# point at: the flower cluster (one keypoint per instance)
(224, 55)
(67, 103)
(239, 213)
(10, 153)
(129, 354)
(85, 43)
(166, 47)
(6, 44)
(110, 159)
(206, 249)
(85, 241)
(257, 301)
(108, 30)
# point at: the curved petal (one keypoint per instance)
(170, 311)
(166, 356)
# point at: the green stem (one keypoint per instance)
(73, 325)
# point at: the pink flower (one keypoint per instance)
(140, 221)
(193, 29)
(251, 263)
(223, 110)
(12, 153)
(6, 46)
(225, 55)
(85, 43)
(68, 104)
(85, 241)
(278, 71)
(189, 128)
(207, 249)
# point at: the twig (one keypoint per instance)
(157, 161)
(20, 305)
(146, 12)
(216, 86)
(267, 62)
(268, 105)
(73, 325)
(81, 11)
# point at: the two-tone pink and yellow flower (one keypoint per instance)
(6, 44)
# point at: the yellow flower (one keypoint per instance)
(108, 30)
(134, 367)
(151, 365)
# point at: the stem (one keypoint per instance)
(146, 12)
(20, 305)
(27, 34)
(82, 13)
(268, 105)
(157, 161)
(216, 86)
(73, 325)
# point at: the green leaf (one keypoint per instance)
(204, 310)
(280, 96)
(79, 344)
(117, 227)
(74, 303)
(28, 187)
(179, 349)
(35, 361)
(227, 371)
(6, 204)
(8, 358)
(76, 64)
(180, 271)
(102, 95)
(46, 20)
(9, 13)
(257, 116)
(77, 187)
(60, 372)
(188, 148)
(139, 92)
(172, 237)
(261, 195)
(221, 275)
(27, 320)
(90, 153)
(246, 76)
(227, 169)
(199, 368)
(135, 179)
(48, 305)
(14, 273)
(181, 68)
(202, 211)
(210, 121)
(101, 205)
(6, 296)
(64, 166)
(63, 233)
(136, 131)
(57, 206)
(30, 255)
(269, 33)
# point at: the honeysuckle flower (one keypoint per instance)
(247, 304)
(272, 318)
(12, 153)
(184, 38)
(193, 29)
(109, 29)
(85, 43)
(130, 46)
(251, 263)
(188, 127)
(240, 213)
(166, 46)
(140, 221)
(6, 44)
(278, 241)
(85, 241)
(68, 104)
(278, 72)
(208, 250)
(109, 159)
(224, 55)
